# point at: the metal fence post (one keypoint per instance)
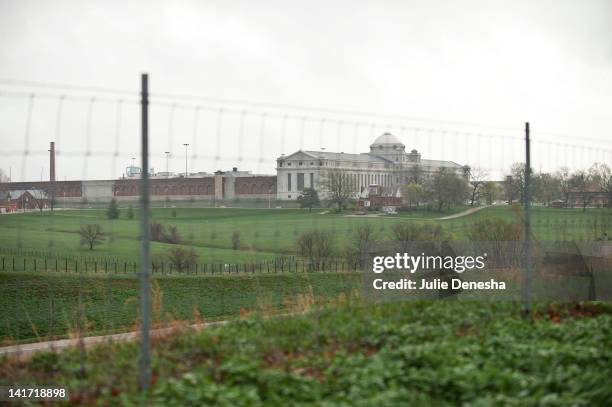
(145, 294)
(527, 239)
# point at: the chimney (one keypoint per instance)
(52, 162)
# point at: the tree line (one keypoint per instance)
(446, 188)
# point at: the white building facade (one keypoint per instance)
(387, 165)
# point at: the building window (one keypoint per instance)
(300, 163)
(280, 163)
(300, 181)
(289, 182)
(288, 164)
(320, 163)
(311, 163)
(311, 180)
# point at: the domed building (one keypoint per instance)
(387, 165)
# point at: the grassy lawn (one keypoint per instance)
(37, 306)
(265, 234)
(438, 353)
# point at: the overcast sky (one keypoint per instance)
(494, 62)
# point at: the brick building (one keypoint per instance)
(221, 186)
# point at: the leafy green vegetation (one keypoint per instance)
(440, 353)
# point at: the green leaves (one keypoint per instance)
(416, 353)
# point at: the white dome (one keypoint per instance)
(387, 139)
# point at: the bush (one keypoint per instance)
(172, 236)
(130, 212)
(316, 245)
(159, 234)
(182, 259)
(113, 210)
(236, 240)
(358, 243)
(500, 239)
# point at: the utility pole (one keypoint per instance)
(186, 145)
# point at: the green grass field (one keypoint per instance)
(440, 353)
(265, 234)
(37, 306)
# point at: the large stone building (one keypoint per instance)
(387, 165)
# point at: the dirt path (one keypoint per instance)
(27, 350)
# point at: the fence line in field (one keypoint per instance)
(281, 265)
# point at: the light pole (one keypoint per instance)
(186, 145)
(167, 155)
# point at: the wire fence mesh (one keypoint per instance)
(236, 225)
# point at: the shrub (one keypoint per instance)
(92, 235)
(236, 240)
(182, 259)
(316, 245)
(358, 242)
(130, 212)
(113, 210)
(500, 239)
(172, 236)
(159, 234)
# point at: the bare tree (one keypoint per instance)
(338, 188)
(92, 235)
(601, 174)
(564, 178)
(490, 191)
(477, 180)
(358, 243)
(40, 198)
(582, 183)
(545, 187)
(316, 245)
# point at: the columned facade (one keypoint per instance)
(387, 164)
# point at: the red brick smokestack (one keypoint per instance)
(52, 162)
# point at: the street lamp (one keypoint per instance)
(186, 145)
(167, 155)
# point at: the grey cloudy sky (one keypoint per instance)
(497, 62)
